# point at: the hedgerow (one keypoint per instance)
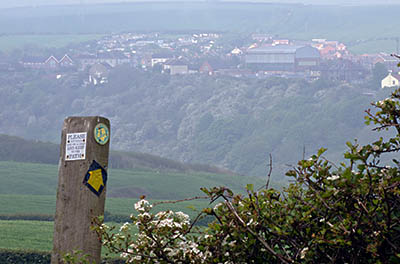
(344, 213)
(14, 256)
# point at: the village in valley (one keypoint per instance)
(258, 56)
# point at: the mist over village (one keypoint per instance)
(199, 131)
(261, 56)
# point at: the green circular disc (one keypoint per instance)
(101, 134)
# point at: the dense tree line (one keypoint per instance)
(229, 122)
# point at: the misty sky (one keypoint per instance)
(19, 3)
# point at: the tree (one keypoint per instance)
(378, 73)
(347, 213)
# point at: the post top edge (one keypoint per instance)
(102, 118)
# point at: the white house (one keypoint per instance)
(160, 58)
(391, 80)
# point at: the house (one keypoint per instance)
(32, 62)
(368, 60)
(206, 68)
(235, 72)
(35, 62)
(283, 58)
(98, 73)
(176, 67)
(276, 42)
(391, 80)
(261, 37)
(86, 60)
(49, 63)
(160, 58)
(236, 51)
(327, 51)
(111, 58)
(341, 47)
(342, 70)
(66, 62)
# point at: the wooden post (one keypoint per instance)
(83, 141)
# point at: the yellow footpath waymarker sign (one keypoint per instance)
(96, 178)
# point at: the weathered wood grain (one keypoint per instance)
(76, 205)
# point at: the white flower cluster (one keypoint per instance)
(171, 219)
(161, 233)
(383, 102)
(303, 252)
(125, 227)
(217, 206)
(143, 206)
(333, 177)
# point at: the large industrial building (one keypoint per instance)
(283, 58)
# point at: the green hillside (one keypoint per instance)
(346, 23)
(28, 189)
(41, 179)
(28, 192)
(42, 207)
(34, 235)
(32, 151)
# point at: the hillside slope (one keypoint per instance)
(41, 179)
(227, 122)
(349, 23)
(17, 149)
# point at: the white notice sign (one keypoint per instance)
(75, 147)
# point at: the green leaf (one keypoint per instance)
(321, 151)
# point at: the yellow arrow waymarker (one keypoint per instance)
(96, 178)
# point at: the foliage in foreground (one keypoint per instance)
(37, 257)
(329, 214)
(23, 256)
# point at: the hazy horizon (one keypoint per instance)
(35, 3)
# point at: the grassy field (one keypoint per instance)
(11, 42)
(14, 204)
(41, 179)
(31, 235)
(28, 179)
(27, 204)
(37, 235)
(30, 189)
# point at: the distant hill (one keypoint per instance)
(20, 3)
(21, 150)
(292, 20)
(18, 149)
